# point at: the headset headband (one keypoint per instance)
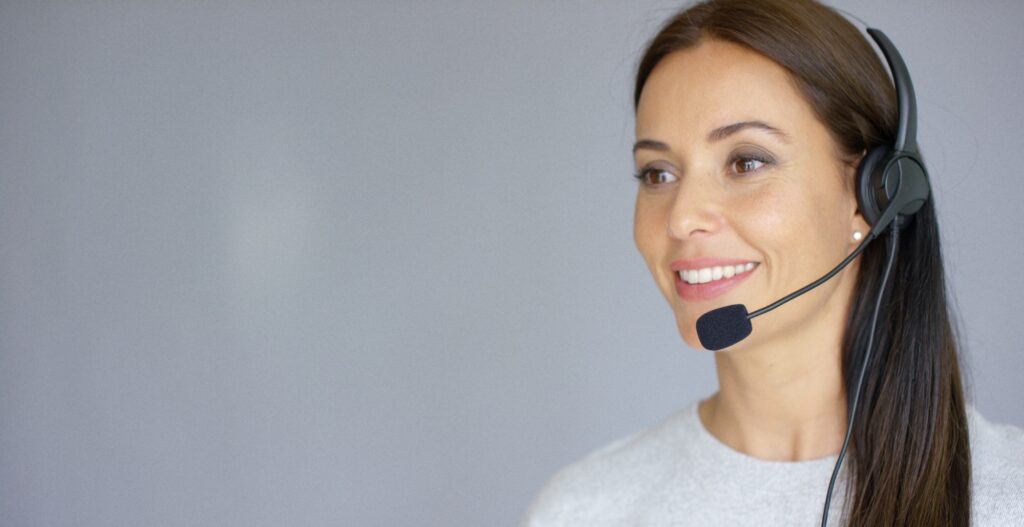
(906, 136)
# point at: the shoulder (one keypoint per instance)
(604, 485)
(997, 470)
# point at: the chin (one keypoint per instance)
(688, 331)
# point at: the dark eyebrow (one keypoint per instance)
(725, 131)
(717, 135)
(651, 145)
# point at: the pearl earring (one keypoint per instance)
(857, 235)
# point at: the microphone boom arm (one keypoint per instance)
(817, 282)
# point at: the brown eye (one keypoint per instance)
(748, 164)
(653, 177)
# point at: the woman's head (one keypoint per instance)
(735, 167)
(779, 193)
(804, 71)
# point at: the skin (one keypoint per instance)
(781, 396)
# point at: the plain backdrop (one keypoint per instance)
(371, 263)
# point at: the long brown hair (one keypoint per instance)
(909, 457)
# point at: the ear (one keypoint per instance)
(857, 221)
(858, 224)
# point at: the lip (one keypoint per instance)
(709, 290)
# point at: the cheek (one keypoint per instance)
(783, 224)
(766, 217)
(646, 231)
(650, 234)
(797, 229)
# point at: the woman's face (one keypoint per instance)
(739, 175)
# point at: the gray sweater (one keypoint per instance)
(676, 473)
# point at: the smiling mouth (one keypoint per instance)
(712, 274)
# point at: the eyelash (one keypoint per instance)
(640, 176)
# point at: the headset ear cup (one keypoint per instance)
(915, 189)
(869, 177)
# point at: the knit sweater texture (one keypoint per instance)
(676, 473)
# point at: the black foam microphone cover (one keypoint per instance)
(723, 327)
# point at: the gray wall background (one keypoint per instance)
(371, 263)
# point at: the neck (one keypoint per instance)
(784, 400)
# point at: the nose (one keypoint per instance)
(695, 208)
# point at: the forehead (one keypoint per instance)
(695, 90)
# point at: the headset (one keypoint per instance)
(892, 185)
(892, 180)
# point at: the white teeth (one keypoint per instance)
(710, 274)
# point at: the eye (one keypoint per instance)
(747, 163)
(653, 177)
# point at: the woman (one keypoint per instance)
(751, 119)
